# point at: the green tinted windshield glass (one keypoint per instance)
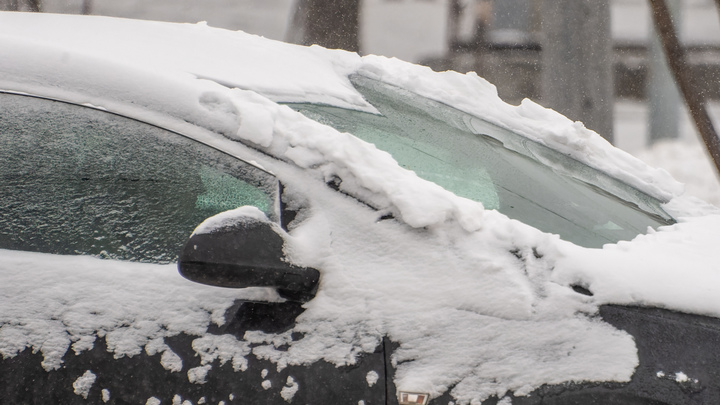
(507, 172)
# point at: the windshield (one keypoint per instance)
(504, 171)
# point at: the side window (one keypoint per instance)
(76, 180)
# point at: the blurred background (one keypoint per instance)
(597, 61)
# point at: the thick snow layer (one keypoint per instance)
(674, 267)
(289, 73)
(289, 390)
(372, 378)
(477, 301)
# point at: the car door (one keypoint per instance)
(80, 183)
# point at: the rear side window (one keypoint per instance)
(77, 180)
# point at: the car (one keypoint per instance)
(192, 215)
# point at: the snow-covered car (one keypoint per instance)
(351, 230)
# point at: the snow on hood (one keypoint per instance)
(674, 267)
(477, 301)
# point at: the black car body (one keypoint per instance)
(359, 231)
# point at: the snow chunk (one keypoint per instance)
(257, 121)
(673, 267)
(289, 390)
(223, 347)
(197, 375)
(169, 359)
(105, 395)
(82, 384)
(681, 378)
(153, 401)
(266, 384)
(372, 378)
(177, 400)
(236, 59)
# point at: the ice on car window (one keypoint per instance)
(76, 180)
(224, 192)
(505, 171)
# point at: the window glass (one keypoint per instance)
(507, 172)
(76, 180)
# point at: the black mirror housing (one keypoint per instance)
(246, 253)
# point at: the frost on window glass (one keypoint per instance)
(77, 180)
(418, 143)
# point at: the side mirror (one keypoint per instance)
(238, 251)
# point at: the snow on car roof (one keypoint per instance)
(285, 72)
(477, 302)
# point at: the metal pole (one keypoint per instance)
(577, 77)
(678, 65)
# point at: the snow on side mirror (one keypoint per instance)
(240, 249)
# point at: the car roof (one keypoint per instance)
(195, 55)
